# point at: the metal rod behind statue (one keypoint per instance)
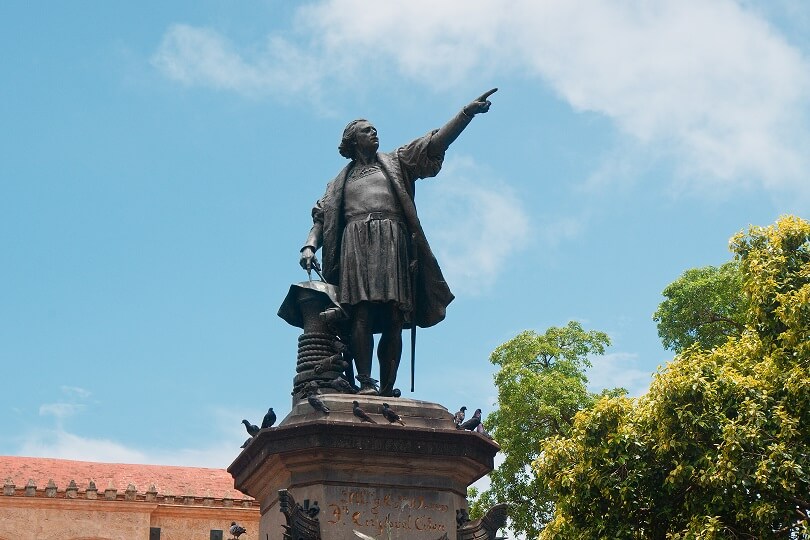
(414, 267)
(413, 355)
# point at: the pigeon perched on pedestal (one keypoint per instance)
(269, 418)
(313, 399)
(458, 419)
(252, 429)
(482, 430)
(473, 422)
(390, 415)
(360, 413)
(342, 385)
(236, 530)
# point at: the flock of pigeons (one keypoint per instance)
(253, 430)
(312, 391)
(472, 424)
(387, 412)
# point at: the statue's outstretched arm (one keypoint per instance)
(452, 129)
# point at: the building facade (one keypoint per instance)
(56, 499)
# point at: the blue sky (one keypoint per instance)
(159, 160)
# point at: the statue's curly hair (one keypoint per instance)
(349, 139)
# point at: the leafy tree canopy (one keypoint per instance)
(541, 386)
(704, 306)
(718, 446)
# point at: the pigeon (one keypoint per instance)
(236, 530)
(459, 417)
(246, 443)
(252, 429)
(342, 385)
(313, 510)
(462, 517)
(482, 430)
(314, 400)
(269, 418)
(361, 414)
(309, 388)
(473, 422)
(391, 416)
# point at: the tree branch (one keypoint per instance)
(713, 317)
(799, 502)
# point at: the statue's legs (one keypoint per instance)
(389, 350)
(362, 344)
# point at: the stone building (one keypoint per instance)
(57, 499)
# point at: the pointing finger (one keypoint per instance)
(486, 95)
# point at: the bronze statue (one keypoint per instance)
(374, 249)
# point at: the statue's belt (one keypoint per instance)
(375, 216)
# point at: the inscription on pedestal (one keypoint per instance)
(384, 513)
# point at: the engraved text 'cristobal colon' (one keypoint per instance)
(362, 508)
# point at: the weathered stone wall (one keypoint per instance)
(29, 513)
(37, 518)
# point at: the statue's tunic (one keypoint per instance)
(374, 254)
(368, 248)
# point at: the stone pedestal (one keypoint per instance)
(384, 480)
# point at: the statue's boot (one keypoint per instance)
(368, 386)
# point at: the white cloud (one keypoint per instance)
(60, 410)
(560, 229)
(475, 223)
(436, 42)
(618, 370)
(74, 396)
(201, 56)
(61, 444)
(198, 55)
(75, 391)
(58, 442)
(707, 81)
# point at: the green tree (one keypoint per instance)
(541, 386)
(718, 446)
(704, 306)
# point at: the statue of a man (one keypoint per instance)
(374, 248)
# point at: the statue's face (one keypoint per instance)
(366, 141)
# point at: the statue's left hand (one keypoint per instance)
(480, 105)
(308, 261)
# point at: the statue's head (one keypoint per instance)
(359, 133)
